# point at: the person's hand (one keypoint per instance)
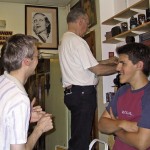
(113, 60)
(36, 112)
(45, 123)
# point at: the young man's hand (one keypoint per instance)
(45, 123)
(36, 112)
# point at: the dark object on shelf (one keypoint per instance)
(117, 81)
(141, 19)
(124, 26)
(130, 39)
(133, 22)
(109, 96)
(148, 14)
(108, 35)
(115, 30)
(145, 38)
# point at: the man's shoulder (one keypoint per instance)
(71, 36)
(123, 88)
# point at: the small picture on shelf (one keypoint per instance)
(124, 26)
(111, 54)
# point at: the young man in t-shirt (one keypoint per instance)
(127, 115)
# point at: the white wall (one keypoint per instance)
(14, 15)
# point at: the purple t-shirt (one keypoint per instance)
(133, 106)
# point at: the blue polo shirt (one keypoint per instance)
(131, 105)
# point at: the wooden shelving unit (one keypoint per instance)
(126, 14)
(142, 28)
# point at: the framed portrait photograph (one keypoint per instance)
(90, 7)
(42, 23)
(90, 39)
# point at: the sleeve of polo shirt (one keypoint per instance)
(86, 57)
(19, 122)
(144, 121)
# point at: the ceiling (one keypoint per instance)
(58, 3)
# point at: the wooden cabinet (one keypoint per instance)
(35, 87)
(126, 14)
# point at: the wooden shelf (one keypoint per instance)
(144, 28)
(127, 13)
(111, 21)
(112, 41)
(143, 4)
(127, 33)
(124, 14)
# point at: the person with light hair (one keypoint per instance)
(19, 59)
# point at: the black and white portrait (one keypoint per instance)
(42, 23)
(41, 27)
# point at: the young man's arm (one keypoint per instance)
(108, 124)
(140, 139)
(127, 131)
(43, 125)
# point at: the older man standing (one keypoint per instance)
(79, 76)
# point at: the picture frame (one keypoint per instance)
(42, 23)
(77, 5)
(90, 7)
(90, 39)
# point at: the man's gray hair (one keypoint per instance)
(74, 14)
